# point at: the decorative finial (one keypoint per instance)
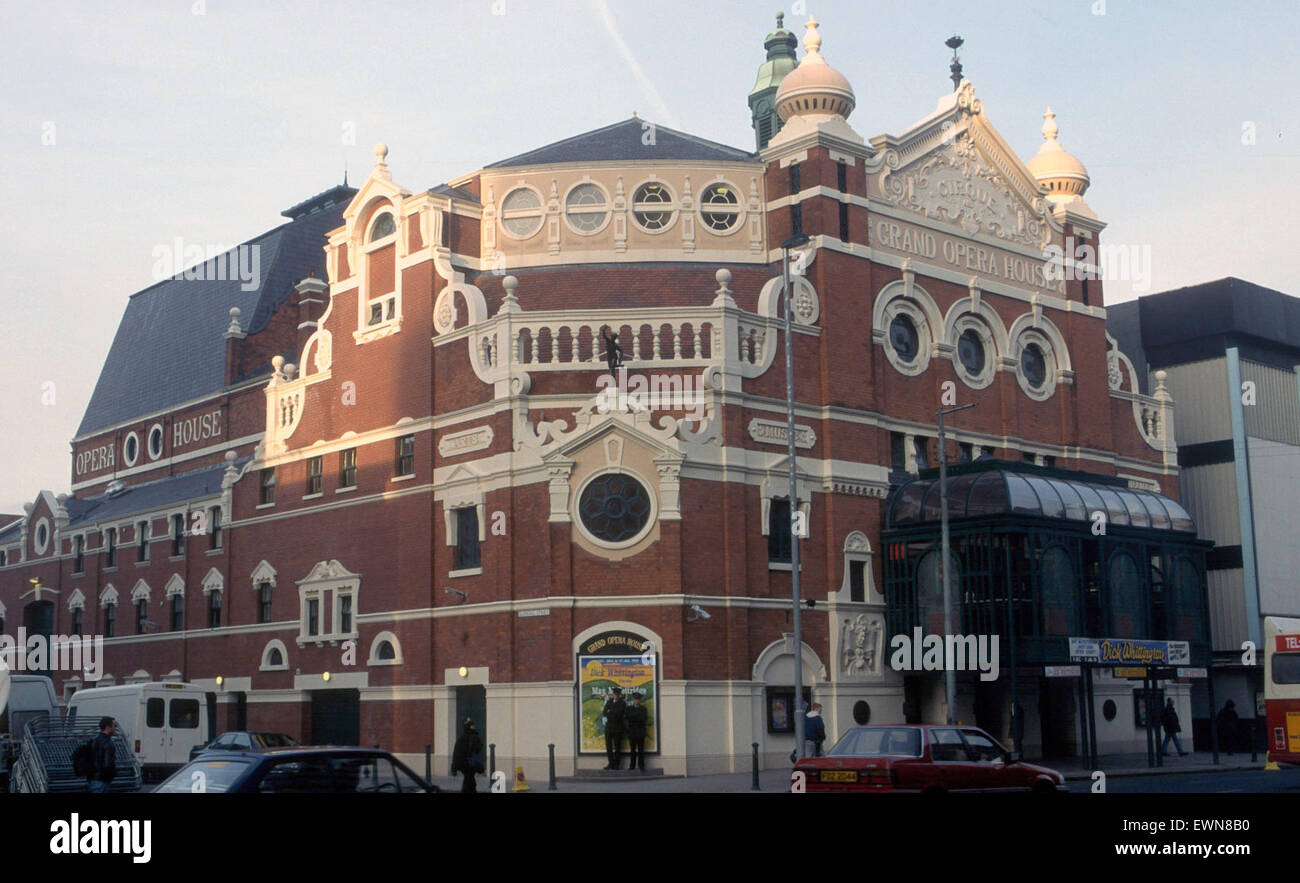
(1050, 128)
(812, 39)
(381, 154)
(233, 330)
(954, 43)
(780, 20)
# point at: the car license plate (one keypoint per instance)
(839, 775)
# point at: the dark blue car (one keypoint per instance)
(298, 770)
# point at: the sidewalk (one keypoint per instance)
(777, 781)
(1136, 765)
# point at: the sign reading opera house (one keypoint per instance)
(386, 494)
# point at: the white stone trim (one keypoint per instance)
(175, 587)
(141, 591)
(374, 650)
(274, 644)
(263, 572)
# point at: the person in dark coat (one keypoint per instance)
(105, 756)
(1229, 724)
(814, 728)
(637, 717)
(1169, 720)
(467, 757)
(615, 713)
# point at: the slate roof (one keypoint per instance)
(624, 141)
(454, 192)
(149, 496)
(11, 532)
(169, 347)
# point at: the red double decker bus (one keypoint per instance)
(1282, 688)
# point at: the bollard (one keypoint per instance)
(550, 750)
(428, 763)
(755, 787)
(492, 761)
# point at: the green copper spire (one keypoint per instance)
(780, 45)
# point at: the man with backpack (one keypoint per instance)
(96, 759)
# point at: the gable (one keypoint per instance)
(954, 169)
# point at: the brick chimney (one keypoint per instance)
(234, 346)
(311, 295)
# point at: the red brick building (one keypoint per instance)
(377, 488)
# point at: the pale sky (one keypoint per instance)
(127, 125)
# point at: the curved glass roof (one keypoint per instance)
(998, 491)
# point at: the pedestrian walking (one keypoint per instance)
(97, 758)
(1229, 725)
(467, 757)
(814, 728)
(637, 717)
(615, 713)
(1169, 720)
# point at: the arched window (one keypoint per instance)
(1058, 591)
(1185, 607)
(1127, 595)
(383, 227)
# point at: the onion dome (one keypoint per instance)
(1055, 167)
(814, 88)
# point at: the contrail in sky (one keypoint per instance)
(647, 88)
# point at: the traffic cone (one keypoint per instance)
(521, 781)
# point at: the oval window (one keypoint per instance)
(903, 337)
(719, 208)
(652, 207)
(586, 208)
(970, 352)
(1033, 365)
(521, 212)
(131, 449)
(614, 508)
(155, 442)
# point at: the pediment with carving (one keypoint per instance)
(956, 183)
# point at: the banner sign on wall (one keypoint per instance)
(1130, 651)
(606, 661)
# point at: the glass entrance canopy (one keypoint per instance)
(1005, 492)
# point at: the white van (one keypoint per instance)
(30, 696)
(161, 722)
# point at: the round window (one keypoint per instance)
(1108, 709)
(652, 207)
(42, 535)
(1033, 365)
(155, 442)
(131, 449)
(720, 208)
(614, 507)
(521, 212)
(861, 712)
(384, 226)
(586, 208)
(970, 351)
(903, 337)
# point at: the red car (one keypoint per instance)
(923, 759)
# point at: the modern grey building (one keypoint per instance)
(1231, 353)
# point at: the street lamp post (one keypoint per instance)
(950, 676)
(795, 241)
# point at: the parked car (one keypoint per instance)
(299, 770)
(926, 759)
(243, 740)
